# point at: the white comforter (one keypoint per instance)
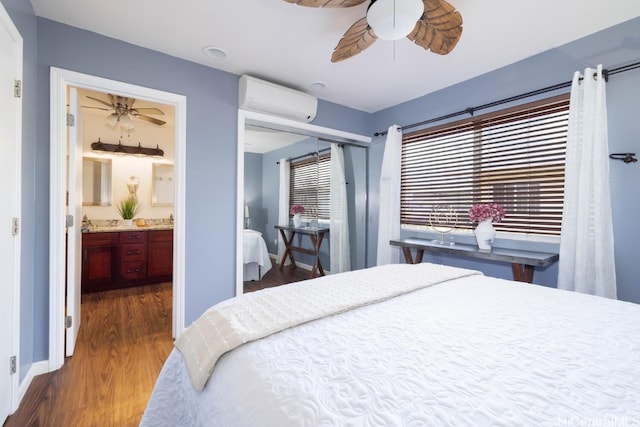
(255, 255)
(475, 351)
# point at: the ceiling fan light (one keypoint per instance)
(112, 120)
(126, 122)
(394, 19)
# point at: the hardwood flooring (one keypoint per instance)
(124, 339)
(123, 342)
(275, 277)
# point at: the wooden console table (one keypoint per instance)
(316, 234)
(522, 262)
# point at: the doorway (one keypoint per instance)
(61, 81)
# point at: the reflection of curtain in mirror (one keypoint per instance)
(283, 204)
(389, 217)
(340, 254)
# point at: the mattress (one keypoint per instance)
(470, 351)
(255, 256)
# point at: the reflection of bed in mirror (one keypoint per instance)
(256, 256)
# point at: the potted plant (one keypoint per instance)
(128, 209)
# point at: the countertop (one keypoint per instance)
(117, 228)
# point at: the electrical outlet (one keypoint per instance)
(275, 241)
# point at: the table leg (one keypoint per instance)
(409, 258)
(522, 272)
(316, 241)
(288, 252)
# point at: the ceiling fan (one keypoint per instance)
(432, 24)
(122, 108)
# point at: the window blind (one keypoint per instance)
(514, 157)
(310, 186)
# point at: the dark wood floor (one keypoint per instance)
(123, 342)
(275, 277)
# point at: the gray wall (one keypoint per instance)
(613, 47)
(253, 189)
(210, 162)
(211, 149)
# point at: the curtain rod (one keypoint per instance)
(471, 110)
(302, 156)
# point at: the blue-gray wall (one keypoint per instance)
(211, 158)
(253, 190)
(613, 47)
(211, 149)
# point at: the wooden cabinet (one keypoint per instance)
(116, 260)
(133, 256)
(99, 259)
(160, 262)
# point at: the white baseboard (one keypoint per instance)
(38, 368)
(301, 265)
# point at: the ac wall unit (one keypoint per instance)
(266, 97)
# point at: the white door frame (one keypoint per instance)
(7, 23)
(60, 79)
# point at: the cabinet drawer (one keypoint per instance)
(161, 235)
(99, 239)
(133, 270)
(133, 252)
(133, 236)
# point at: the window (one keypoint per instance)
(514, 157)
(310, 186)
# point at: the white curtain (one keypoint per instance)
(339, 251)
(586, 242)
(283, 203)
(389, 217)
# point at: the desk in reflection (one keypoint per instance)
(316, 235)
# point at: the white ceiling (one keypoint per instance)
(292, 45)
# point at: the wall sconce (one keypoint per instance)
(119, 148)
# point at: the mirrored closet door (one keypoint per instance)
(305, 197)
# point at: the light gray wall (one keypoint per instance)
(613, 47)
(253, 189)
(210, 162)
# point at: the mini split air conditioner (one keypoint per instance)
(266, 97)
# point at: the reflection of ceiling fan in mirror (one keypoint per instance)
(432, 24)
(122, 110)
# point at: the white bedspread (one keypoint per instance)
(255, 253)
(475, 351)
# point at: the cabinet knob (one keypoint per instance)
(138, 252)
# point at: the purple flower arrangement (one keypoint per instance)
(482, 211)
(296, 209)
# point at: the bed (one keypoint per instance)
(256, 256)
(444, 347)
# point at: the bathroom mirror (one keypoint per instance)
(163, 185)
(96, 181)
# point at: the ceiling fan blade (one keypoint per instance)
(357, 38)
(147, 111)
(326, 3)
(100, 101)
(149, 119)
(97, 108)
(439, 28)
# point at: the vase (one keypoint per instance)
(297, 220)
(127, 223)
(485, 233)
